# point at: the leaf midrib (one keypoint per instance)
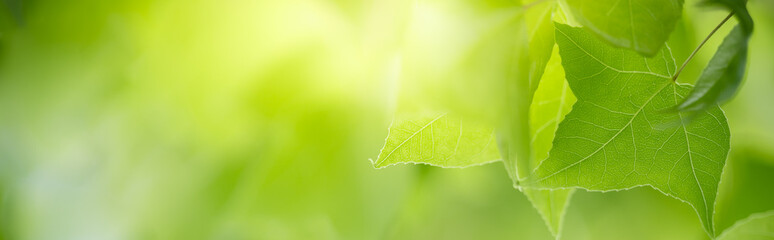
(690, 160)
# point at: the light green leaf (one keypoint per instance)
(756, 227)
(439, 140)
(721, 78)
(552, 101)
(551, 204)
(619, 136)
(641, 25)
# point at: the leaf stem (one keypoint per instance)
(674, 78)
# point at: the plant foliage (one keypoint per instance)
(592, 105)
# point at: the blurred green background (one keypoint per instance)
(237, 119)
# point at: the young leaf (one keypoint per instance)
(619, 136)
(552, 101)
(756, 227)
(438, 140)
(641, 25)
(722, 76)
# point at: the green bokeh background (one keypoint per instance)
(238, 119)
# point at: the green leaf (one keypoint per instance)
(641, 25)
(551, 102)
(551, 204)
(437, 139)
(721, 78)
(723, 74)
(756, 227)
(619, 136)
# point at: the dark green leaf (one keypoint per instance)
(723, 75)
(721, 78)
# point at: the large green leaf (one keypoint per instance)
(756, 227)
(723, 75)
(437, 139)
(641, 25)
(619, 135)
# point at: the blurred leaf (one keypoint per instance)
(541, 40)
(617, 135)
(530, 58)
(756, 227)
(438, 140)
(741, 193)
(458, 60)
(635, 214)
(641, 25)
(15, 8)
